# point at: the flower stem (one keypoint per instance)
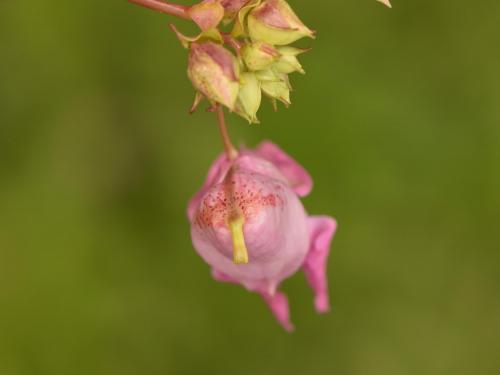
(164, 7)
(230, 150)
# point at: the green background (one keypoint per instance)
(397, 120)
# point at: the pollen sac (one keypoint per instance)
(259, 55)
(207, 14)
(214, 72)
(274, 22)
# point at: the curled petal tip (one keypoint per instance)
(289, 327)
(322, 304)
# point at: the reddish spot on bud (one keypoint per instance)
(213, 70)
(207, 14)
(269, 14)
(233, 6)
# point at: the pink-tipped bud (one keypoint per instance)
(276, 23)
(259, 55)
(214, 72)
(207, 14)
(232, 7)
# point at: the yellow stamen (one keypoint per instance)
(240, 253)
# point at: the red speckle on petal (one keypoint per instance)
(245, 193)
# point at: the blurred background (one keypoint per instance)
(397, 120)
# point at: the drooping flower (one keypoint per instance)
(249, 225)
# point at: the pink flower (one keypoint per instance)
(249, 225)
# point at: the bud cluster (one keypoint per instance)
(234, 69)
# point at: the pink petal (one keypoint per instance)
(278, 303)
(222, 277)
(298, 178)
(322, 229)
(215, 174)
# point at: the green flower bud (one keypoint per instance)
(259, 55)
(270, 75)
(277, 90)
(292, 51)
(275, 85)
(274, 21)
(214, 72)
(288, 64)
(249, 97)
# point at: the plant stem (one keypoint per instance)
(231, 152)
(164, 7)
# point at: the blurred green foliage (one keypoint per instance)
(397, 120)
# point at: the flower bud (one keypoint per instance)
(232, 7)
(207, 14)
(277, 90)
(275, 85)
(239, 29)
(259, 55)
(214, 72)
(275, 22)
(288, 64)
(249, 97)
